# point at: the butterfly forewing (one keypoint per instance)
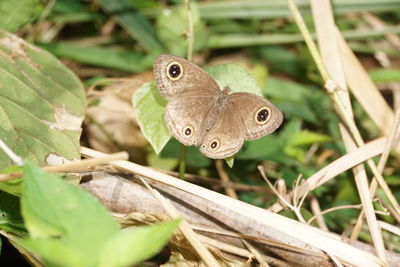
(258, 117)
(176, 77)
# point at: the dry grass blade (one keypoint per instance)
(184, 227)
(256, 254)
(382, 161)
(327, 242)
(219, 165)
(338, 166)
(390, 228)
(365, 91)
(326, 32)
(316, 209)
(347, 53)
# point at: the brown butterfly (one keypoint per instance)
(199, 113)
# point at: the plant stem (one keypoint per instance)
(182, 162)
(190, 33)
(190, 39)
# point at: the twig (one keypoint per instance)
(295, 207)
(316, 209)
(14, 157)
(358, 206)
(73, 165)
(182, 162)
(256, 254)
(225, 178)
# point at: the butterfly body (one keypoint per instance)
(200, 113)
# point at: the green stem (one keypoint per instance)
(190, 33)
(182, 162)
(190, 39)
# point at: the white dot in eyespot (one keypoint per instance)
(214, 144)
(188, 131)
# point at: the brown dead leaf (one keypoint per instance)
(112, 124)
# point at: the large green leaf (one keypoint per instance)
(292, 98)
(42, 103)
(14, 14)
(129, 247)
(67, 225)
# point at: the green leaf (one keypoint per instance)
(296, 139)
(12, 186)
(14, 14)
(57, 253)
(172, 29)
(291, 98)
(10, 216)
(307, 137)
(230, 161)
(385, 75)
(133, 22)
(266, 148)
(67, 225)
(42, 103)
(281, 60)
(149, 107)
(130, 247)
(130, 61)
(235, 77)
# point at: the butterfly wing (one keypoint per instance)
(258, 117)
(176, 77)
(225, 137)
(185, 118)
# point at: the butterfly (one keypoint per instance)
(200, 113)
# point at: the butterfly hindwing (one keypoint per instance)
(258, 117)
(185, 118)
(225, 137)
